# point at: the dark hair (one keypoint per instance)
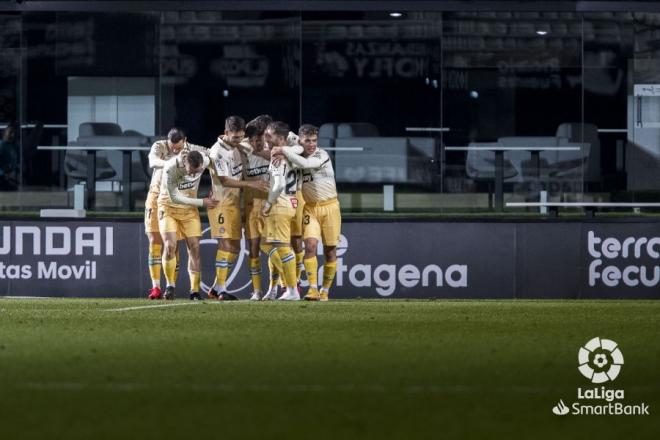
(234, 123)
(308, 130)
(279, 128)
(176, 135)
(264, 119)
(195, 159)
(254, 128)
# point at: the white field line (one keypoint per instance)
(27, 297)
(288, 388)
(126, 309)
(296, 388)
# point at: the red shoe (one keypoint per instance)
(155, 293)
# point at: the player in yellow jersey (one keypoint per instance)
(178, 211)
(291, 140)
(322, 217)
(225, 219)
(256, 168)
(279, 211)
(160, 152)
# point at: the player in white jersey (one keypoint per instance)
(279, 211)
(160, 152)
(291, 140)
(178, 211)
(256, 168)
(225, 218)
(322, 217)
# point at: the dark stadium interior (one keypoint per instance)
(492, 72)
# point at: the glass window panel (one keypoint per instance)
(513, 80)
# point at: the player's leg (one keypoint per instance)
(168, 225)
(155, 244)
(226, 256)
(194, 267)
(253, 229)
(169, 263)
(297, 235)
(330, 221)
(312, 234)
(225, 221)
(282, 256)
(278, 233)
(311, 269)
(274, 262)
(155, 263)
(329, 270)
(192, 230)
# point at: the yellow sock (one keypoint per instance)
(288, 259)
(255, 273)
(329, 270)
(221, 267)
(169, 267)
(155, 263)
(177, 256)
(273, 276)
(231, 259)
(312, 270)
(194, 280)
(300, 267)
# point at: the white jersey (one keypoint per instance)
(256, 168)
(283, 185)
(179, 189)
(228, 162)
(160, 153)
(318, 182)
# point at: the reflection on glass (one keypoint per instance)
(458, 111)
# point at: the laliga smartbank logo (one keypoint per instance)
(600, 360)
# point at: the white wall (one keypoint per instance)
(129, 102)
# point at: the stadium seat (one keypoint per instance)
(582, 133)
(356, 129)
(108, 164)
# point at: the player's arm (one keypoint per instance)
(314, 161)
(203, 150)
(293, 139)
(278, 183)
(245, 147)
(277, 153)
(156, 155)
(176, 196)
(222, 171)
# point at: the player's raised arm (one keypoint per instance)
(278, 182)
(194, 163)
(316, 160)
(164, 149)
(156, 154)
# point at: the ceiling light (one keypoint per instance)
(396, 14)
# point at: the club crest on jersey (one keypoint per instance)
(294, 202)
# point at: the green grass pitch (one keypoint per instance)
(81, 369)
